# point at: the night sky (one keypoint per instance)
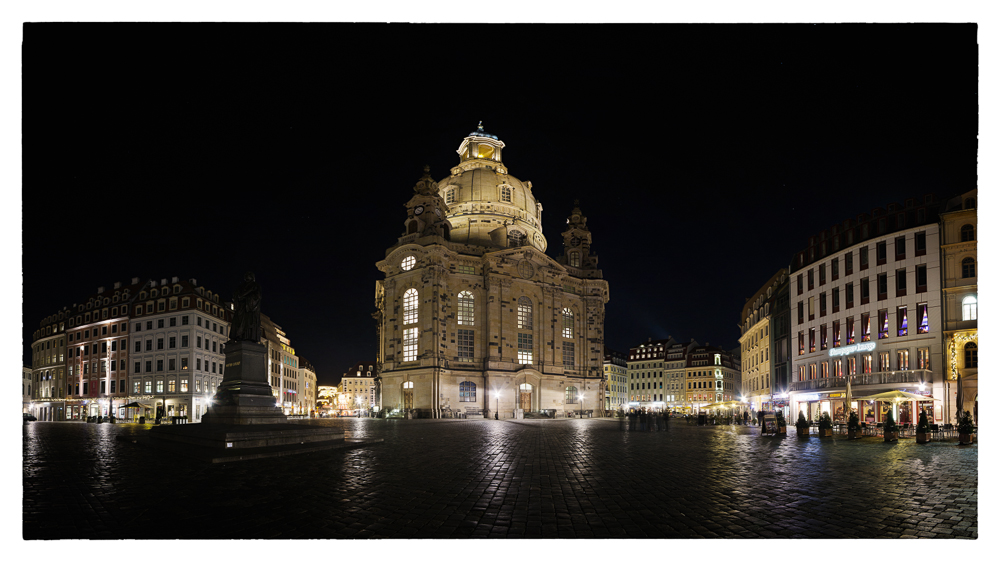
(704, 156)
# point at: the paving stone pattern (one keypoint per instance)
(504, 479)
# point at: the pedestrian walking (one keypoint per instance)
(746, 418)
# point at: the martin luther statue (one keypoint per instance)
(246, 311)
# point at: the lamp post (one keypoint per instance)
(497, 414)
(581, 406)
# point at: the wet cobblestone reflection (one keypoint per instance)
(464, 478)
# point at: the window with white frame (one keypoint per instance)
(969, 308)
(410, 306)
(524, 316)
(466, 346)
(524, 348)
(567, 323)
(407, 263)
(466, 391)
(410, 344)
(569, 353)
(466, 309)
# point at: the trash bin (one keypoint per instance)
(142, 419)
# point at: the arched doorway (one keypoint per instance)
(408, 395)
(524, 396)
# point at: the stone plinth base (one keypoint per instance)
(230, 442)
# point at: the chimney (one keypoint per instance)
(163, 281)
(135, 280)
(118, 284)
(152, 282)
(193, 281)
(100, 290)
(173, 279)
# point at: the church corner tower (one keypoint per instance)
(473, 318)
(576, 242)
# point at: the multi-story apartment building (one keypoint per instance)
(615, 380)
(47, 378)
(178, 335)
(756, 344)
(666, 374)
(286, 375)
(97, 358)
(357, 387)
(866, 306)
(309, 388)
(960, 299)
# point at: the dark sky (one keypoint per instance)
(703, 155)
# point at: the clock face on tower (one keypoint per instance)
(574, 241)
(437, 212)
(418, 209)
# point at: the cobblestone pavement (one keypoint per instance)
(486, 478)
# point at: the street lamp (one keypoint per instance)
(581, 405)
(496, 415)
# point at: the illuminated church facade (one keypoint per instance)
(473, 317)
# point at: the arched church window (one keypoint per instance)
(410, 306)
(466, 309)
(969, 308)
(574, 259)
(467, 391)
(971, 356)
(524, 320)
(968, 233)
(571, 395)
(505, 194)
(407, 263)
(968, 268)
(567, 323)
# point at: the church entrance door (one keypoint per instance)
(524, 401)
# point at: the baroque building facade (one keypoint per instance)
(960, 296)
(472, 315)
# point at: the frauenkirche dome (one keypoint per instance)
(486, 205)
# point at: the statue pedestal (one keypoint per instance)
(243, 422)
(245, 396)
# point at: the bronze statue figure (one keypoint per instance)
(246, 311)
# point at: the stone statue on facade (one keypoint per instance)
(246, 311)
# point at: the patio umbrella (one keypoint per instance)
(897, 396)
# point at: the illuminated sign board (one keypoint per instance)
(856, 348)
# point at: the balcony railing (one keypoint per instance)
(867, 379)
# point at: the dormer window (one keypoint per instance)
(505, 194)
(449, 196)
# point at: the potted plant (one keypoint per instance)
(923, 429)
(853, 426)
(966, 428)
(779, 421)
(825, 425)
(802, 426)
(889, 429)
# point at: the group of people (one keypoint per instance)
(642, 420)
